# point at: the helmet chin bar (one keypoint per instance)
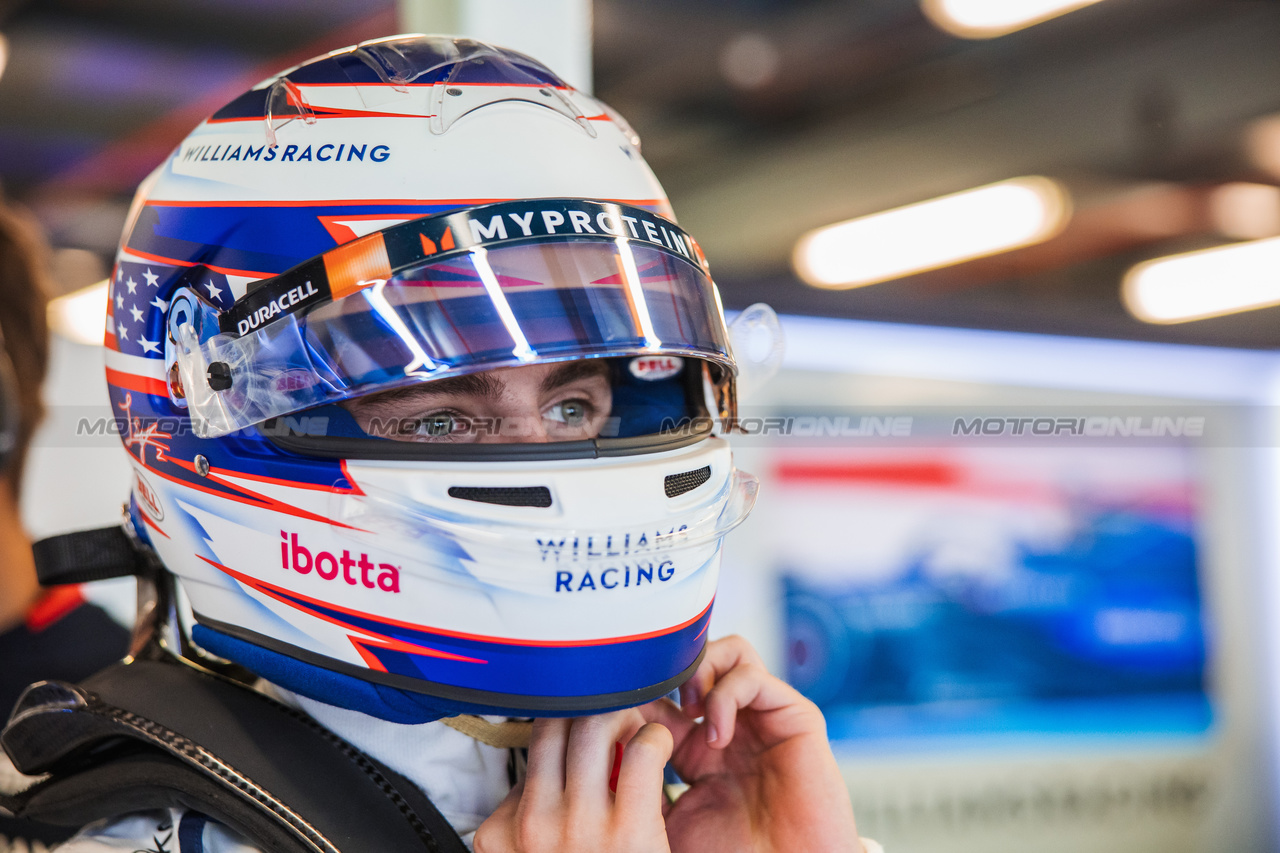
(577, 604)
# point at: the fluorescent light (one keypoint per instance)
(4, 53)
(982, 19)
(931, 234)
(1208, 283)
(869, 348)
(80, 315)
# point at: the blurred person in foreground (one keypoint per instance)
(423, 391)
(44, 633)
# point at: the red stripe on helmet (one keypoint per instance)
(134, 382)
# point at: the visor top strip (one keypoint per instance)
(375, 258)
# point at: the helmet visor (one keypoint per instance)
(502, 303)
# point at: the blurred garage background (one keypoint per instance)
(1022, 639)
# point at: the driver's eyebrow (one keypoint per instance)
(572, 371)
(488, 386)
(472, 384)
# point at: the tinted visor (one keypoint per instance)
(517, 305)
(510, 303)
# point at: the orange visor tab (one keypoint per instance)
(357, 265)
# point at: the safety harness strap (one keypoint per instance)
(160, 733)
(88, 555)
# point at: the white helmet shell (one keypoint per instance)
(383, 576)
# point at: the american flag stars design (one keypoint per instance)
(136, 313)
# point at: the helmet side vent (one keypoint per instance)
(678, 484)
(539, 496)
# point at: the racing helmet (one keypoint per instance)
(405, 211)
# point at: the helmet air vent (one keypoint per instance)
(678, 484)
(539, 496)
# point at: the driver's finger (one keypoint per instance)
(545, 775)
(640, 778)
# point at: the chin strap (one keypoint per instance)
(509, 734)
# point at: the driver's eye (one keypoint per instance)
(571, 413)
(436, 425)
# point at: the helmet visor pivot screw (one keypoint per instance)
(219, 375)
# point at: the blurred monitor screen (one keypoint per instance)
(993, 591)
